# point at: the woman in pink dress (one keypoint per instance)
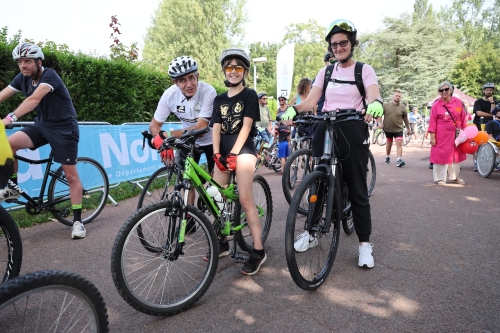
(447, 114)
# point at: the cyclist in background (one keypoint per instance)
(192, 102)
(352, 136)
(56, 123)
(235, 114)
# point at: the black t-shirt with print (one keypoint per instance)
(493, 128)
(485, 106)
(230, 111)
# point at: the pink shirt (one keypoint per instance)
(344, 95)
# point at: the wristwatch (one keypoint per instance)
(12, 116)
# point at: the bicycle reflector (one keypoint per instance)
(313, 198)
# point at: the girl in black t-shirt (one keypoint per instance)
(234, 116)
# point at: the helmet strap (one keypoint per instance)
(36, 77)
(229, 84)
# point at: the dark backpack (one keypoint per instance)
(358, 69)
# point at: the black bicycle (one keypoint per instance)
(323, 198)
(11, 248)
(52, 301)
(95, 188)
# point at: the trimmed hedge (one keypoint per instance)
(114, 91)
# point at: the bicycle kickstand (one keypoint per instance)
(239, 257)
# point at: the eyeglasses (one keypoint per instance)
(237, 68)
(264, 98)
(333, 60)
(341, 43)
(281, 99)
(445, 89)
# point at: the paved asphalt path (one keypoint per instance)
(437, 262)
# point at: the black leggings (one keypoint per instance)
(353, 156)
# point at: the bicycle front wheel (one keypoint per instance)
(297, 166)
(264, 203)
(11, 247)
(406, 138)
(95, 189)
(52, 301)
(310, 250)
(158, 186)
(172, 278)
(371, 173)
(381, 139)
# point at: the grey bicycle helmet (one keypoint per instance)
(27, 50)
(181, 66)
(488, 85)
(261, 94)
(235, 53)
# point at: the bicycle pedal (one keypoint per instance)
(240, 257)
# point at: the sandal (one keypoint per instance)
(441, 182)
(459, 181)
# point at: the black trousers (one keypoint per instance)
(353, 144)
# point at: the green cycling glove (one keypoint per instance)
(375, 109)
(289, 113)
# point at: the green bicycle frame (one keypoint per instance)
(192, 173)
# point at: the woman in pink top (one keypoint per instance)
(447, 114)
(352, 136)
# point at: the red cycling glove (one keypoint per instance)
(231, 161)
(220, 161)
(166, 155)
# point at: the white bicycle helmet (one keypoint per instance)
(235, 53)
(181, 66)
(27, 50)
(488, 85)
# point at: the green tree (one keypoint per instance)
(470, 73)
(201, 29)
(266, 71)
(410, 56)
(310, 48)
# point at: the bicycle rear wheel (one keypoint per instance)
(11, 247)
(264, 202)
(95, 188)
(157, 187)
(297, 166)
(167, 281)
(406, 138)
(52, 301)
(371, 173)
(309, 268)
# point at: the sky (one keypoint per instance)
(84, 25)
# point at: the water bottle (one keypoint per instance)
(213, 191)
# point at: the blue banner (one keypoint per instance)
(118, 148)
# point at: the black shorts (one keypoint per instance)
(227, 143)
(63, 141)
(391, 135)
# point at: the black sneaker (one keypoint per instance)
(253, 264)
(223, 251)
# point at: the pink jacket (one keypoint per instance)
(441, 123)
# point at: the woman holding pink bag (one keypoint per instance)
(447, 118)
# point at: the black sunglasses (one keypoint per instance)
(445, 89)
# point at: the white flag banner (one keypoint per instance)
(284, 70)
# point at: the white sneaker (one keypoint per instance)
(78, 230)
(304, 242)
(365, 256)
(8, 194)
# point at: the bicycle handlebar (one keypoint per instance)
(335, 116)
(185, 142)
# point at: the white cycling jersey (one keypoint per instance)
(188, 110)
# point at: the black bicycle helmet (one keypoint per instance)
(327, 56)
(346, 27)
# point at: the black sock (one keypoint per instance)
(77, 212)
(260, 252)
